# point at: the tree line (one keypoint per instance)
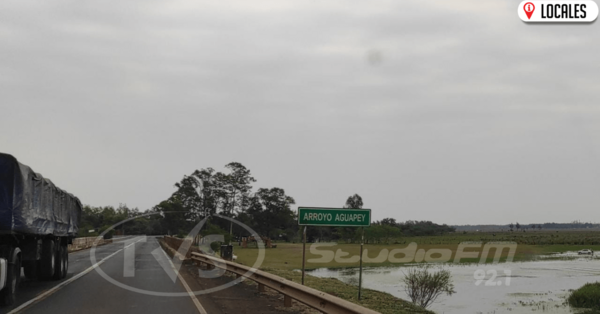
(267, 211)
(536, 226)
(204, 193)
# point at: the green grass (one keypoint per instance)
(529, 246)
(587, 296)
(381, 302)
(289, 256)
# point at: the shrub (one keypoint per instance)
(424, 286)
(587, 296)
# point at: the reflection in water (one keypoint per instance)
(539, 286)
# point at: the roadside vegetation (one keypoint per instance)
(587, 297)
(424, 285)
(289, 255)
(378, 301)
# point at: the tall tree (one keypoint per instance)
(354, 201)
(176, 218)
(204, 187)
(232, 189)
(187, 194)
(271, 212)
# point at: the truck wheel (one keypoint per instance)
(65, 260)
(59, 266)
(30, 270)
(48, 260)
(13, 277)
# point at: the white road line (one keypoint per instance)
(201, 309)
(63, 284)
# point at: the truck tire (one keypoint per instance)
(65, 252)
(59, 268)
(48, 259)
(30, 269)
(13, 277)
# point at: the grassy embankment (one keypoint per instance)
(381, 302)
(530, 244)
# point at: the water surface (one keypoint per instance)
(525, 287)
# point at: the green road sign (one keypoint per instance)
(340, 217)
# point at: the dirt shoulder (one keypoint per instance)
(241, 298)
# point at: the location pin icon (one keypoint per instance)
(529, 8)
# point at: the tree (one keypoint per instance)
(518, 226)
(239, 181)
(187, 194)
(511, 226)
(389, 232)
(176, 218)
(205, 187)
(424, 286)
(389, 221)
(354, 201)
(349, 233)
(271, 213)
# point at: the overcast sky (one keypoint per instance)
(450, 111)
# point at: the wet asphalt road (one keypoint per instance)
(92, 293)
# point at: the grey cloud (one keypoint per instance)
(469, 111)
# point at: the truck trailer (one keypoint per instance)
(37, 222)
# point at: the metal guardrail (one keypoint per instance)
(316, 299)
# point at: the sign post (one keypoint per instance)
(362, 241)
(335, 217)
(303, 254)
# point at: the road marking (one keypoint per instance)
(63, 284)
(201, 309)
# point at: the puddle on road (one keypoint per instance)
(540, 286)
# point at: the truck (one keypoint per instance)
(38, 221)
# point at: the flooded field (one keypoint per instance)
(539, 286)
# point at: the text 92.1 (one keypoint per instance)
(480, 276)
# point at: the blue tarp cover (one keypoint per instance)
(32, 204)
